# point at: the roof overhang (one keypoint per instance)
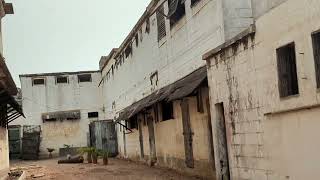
(175, 91)
(13, 110)
(6, 81)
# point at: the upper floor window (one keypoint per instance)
(38, 81)
(84, 78)
(316, 53)
(61, 79)
(176, 11)
(287, 70)
(194, 2)
(161, 23)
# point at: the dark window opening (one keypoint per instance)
(137, 40)
(194, 2)
(61, 80)
(38, 81)
(161, 23)
(128, 50)
(84, 78)
(316, 54)
(167, 110)
(70, 119)
(50, 120)
(148, 25)
(287, 70)
(133, 122)
(93, 114)
(176, 11)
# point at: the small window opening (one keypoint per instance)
(194, 2)
(161, 23)
(50, 120)
(148, 25)
(93, 114)
(128, 50)
(176, 11)
(38, 81)
(61, 80)
(84, 78)
(137, 40)
(167, 110)
(287, 70)
(316, 54)
(133, 122)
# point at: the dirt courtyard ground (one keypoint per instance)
(116, 170)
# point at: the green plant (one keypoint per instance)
(103, 153)
(84, 150)
(66, 146)
(88, 151)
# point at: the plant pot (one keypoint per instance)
(105, 161)
(94, 159)
(89, 157)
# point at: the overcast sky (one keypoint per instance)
(65, 35)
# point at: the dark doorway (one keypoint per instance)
(152, 143)
(187, 133)
(222, 143)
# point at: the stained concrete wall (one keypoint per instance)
(169, 140)
(269, 137)
(175, 56)
(4, 152)
(52, 97)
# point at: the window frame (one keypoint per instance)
(84, 81)
(164, 107)
(161, 23)
(94, 114)
(176, 17)
(288, 83)
(315, 38)
(57, 81)
(38, 84)
(194, 3)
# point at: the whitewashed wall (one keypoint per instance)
(52, 97)
(175, 56)
(270, 137)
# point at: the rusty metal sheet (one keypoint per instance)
(175, 91)
(62, 115)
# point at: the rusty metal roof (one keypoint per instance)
(175, 91)
(13, 109)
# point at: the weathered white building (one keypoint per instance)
(9, 108)
(264, 89)
(63, 105)
(156, 81)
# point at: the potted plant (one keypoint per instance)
(94, 155)
(105, 155)
(88, 151)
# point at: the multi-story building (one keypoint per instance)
(155, 86)
(264, 89)
(62, 105)
(9, 108)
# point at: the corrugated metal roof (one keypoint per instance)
(175, 91)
